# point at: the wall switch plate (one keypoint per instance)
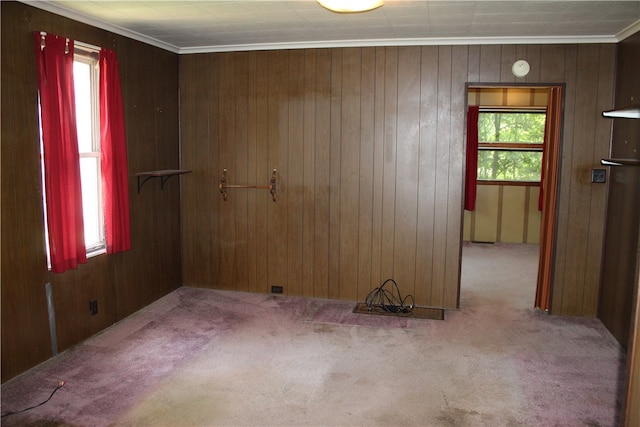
(599, 176)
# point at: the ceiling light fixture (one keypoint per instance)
(350, 6)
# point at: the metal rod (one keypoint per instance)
(52, 318)
(266, 187)
(272, 187)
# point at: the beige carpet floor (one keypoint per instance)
(201, 357)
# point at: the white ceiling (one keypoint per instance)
(216, 25)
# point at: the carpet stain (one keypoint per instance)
(456, 417)
(324, 329)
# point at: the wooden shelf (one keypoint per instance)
(164, 175)
(620, 162)
(631, 111)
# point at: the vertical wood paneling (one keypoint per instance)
(425, 250)
(511, 218)
(197, 255)
(456, 175)
(253, 159)
(563, 216)
(227, 158)
(407, 174)
(378, 169)
(580, 188)
(486, 214)
(322, 175)
(295, 173)
(508, 55)
(124, 282)
(366, 178)
(390, 122)
(334, 173)
(552, 63)
(621, 257)
(309, 171)
(533, 56)
(25, 339)
(263, 171)
(490, 63)
(278, 141)
(349, 171)
(598, 193)
(534, 216)
(241, 170)
(512, 224)
(441, 179)
(369, 143)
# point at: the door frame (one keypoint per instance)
(552, 158)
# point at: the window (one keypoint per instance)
(510, 144)
(86, 75)
(87, 105)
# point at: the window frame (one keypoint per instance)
(89, 55)
(504, 146)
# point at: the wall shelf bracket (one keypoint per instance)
(164, 175)
(272, 187)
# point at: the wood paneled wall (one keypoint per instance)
(623, 219)
(619, 294)
(354, 206)
(504, 214)
(122, 283)
(369, 144)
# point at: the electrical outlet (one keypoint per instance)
(598, 176)
(276, 289)
(93, 307)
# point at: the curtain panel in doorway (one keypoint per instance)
(471, 172)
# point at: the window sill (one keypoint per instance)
(510, 183)
(96, 252)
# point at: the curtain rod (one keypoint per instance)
(82, 45)
(512, 108)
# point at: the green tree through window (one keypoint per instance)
(510, 145)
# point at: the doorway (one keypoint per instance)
(514, 206)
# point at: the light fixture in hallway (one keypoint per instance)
(350, 6)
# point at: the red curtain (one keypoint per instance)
(113, 147)
(61, 159)
(471, 173)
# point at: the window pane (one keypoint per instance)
(82, 86)
(511, 127)
(509, 165)
(89, 169)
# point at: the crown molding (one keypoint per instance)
(80, 17)
(435, 41)
(629, 31)
(59, 10)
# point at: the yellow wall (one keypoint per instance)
(504, 214)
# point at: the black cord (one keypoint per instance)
(58, 387)
(389, 301)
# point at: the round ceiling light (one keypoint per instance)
(350, 6)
